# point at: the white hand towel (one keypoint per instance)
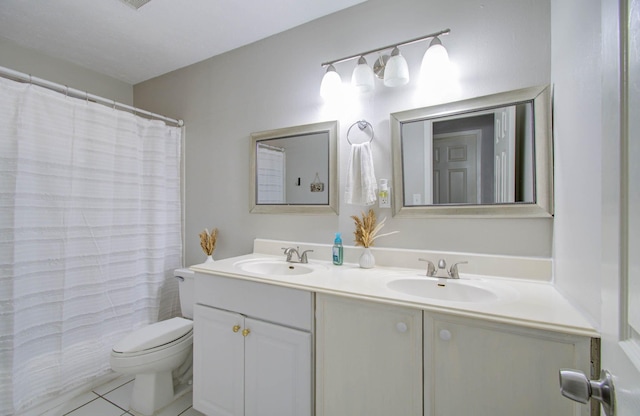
(361, 187)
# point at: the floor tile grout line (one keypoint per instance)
(84, 404)
(109, 401)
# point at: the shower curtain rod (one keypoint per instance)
(15, 75)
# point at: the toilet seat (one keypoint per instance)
(153, 337)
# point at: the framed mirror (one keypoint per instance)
(294, 170)
(489, 156)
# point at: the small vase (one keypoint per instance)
(209, 259)
(367, 260)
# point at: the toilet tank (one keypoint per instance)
(187, 291)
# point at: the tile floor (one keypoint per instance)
(112, 399)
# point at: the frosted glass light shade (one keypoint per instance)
(435, 62)
(396, 72)
(362, 78)
(331, 84)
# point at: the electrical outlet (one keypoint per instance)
(384, 201)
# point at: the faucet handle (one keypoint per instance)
(303, 256)
(453, 270)
(289, 252)
(431, 268)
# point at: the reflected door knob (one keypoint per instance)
(576, 386)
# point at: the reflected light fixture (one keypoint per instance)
(392, 69)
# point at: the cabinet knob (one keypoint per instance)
(401, 327)
(245, 332)
(445, 334)
(236, 328)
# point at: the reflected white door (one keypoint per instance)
(504, 155)
(456, 167)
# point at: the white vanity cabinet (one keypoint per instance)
(474, 367)
(368, 358)
(377, 359)
(252, 349)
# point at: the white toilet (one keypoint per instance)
(159, 354)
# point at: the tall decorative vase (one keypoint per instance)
(209, 259)
(367, 260)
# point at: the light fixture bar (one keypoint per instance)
(407, 42)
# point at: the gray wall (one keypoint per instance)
(497, 45)
(29, 61)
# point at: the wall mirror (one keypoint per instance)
(294, 170)
(489, 156)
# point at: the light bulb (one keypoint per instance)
(362, 78)
(396, 72)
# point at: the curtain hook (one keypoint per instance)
(66, 91)
(114, 104)
(30, 79)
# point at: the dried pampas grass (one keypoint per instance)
(208, 241)
(367, 230)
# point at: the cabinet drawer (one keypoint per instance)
(277, 304)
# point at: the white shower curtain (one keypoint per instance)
(90, 232)
(270, 172)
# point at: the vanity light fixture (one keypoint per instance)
(396, 72)
(392, 69)
(331, 83)
(435, 60)
(363, 78)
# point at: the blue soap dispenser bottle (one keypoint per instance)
(337, 250)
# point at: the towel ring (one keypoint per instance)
(362, 125)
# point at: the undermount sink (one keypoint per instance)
(273, 267)
(443, 289)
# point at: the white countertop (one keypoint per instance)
(528, 303)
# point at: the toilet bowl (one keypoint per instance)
(155, 352)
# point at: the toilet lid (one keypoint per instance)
(154, 335)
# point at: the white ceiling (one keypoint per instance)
(113, 38)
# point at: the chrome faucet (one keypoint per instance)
(431, 269)
(453, 270)
(452, 273)
(301, 258)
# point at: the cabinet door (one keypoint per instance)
(277, 370)
(218, 362)
(474, 367)
(368, 358)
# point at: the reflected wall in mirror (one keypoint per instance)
(294, 170)
(487, 156)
